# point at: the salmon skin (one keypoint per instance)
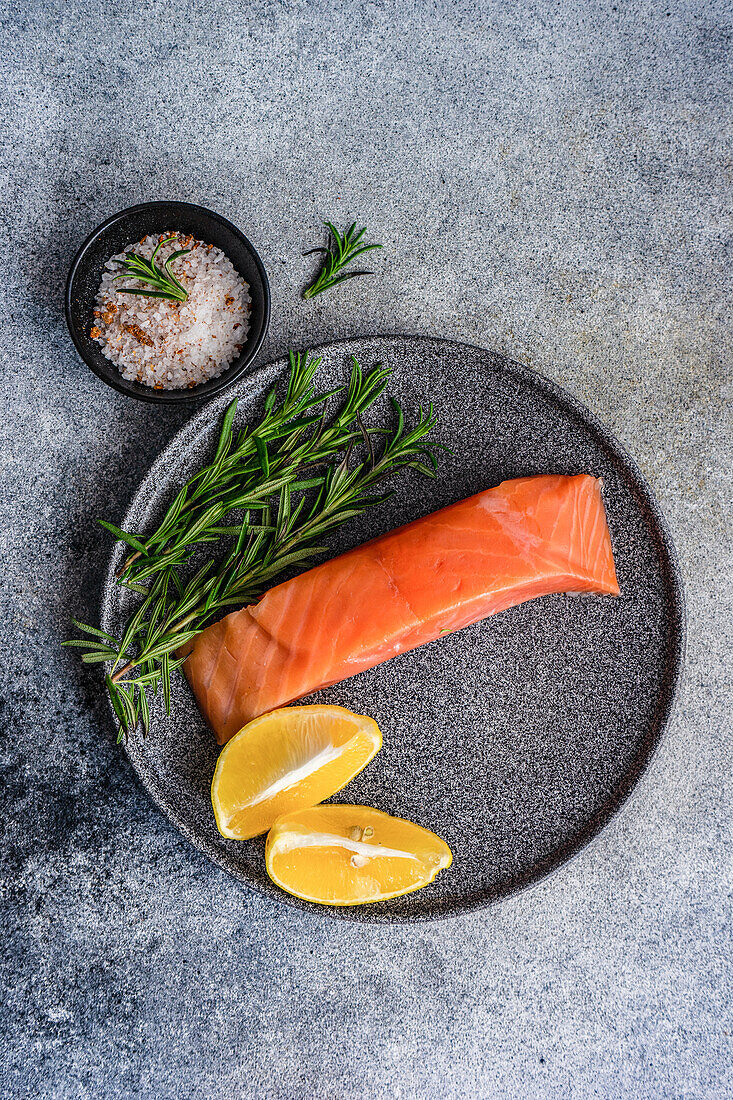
(528, 537)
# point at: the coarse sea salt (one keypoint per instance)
(173, 345)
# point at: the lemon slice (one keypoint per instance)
(287, 760)
(350, 855)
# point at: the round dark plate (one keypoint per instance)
(132, 225)
(515, 739)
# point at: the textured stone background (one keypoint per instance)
(551, 180)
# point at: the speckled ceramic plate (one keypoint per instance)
(515, 739)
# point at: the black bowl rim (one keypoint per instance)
(170, 397)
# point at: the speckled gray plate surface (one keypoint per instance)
(515, 739)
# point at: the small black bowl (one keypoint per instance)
(132, 225)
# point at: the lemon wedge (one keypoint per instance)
(287, 760)
(351, 855)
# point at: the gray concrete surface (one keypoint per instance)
(551, 180)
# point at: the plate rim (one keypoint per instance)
(625, 791)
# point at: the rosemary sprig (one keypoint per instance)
(279, 527)
(291, 439)
(162, 279)
(342, 250)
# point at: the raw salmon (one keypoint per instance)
(528, 537)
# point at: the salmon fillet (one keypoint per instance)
(528, 537)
